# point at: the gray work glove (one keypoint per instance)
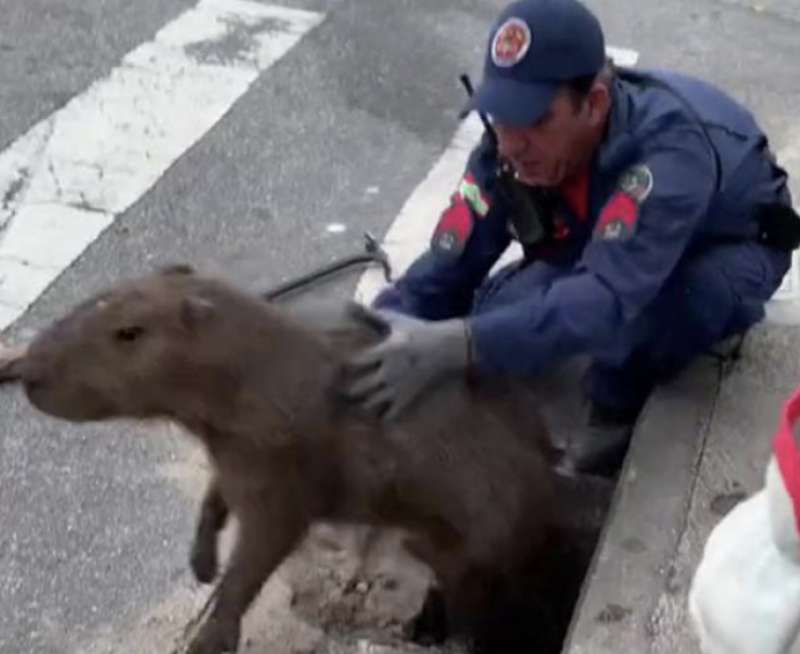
(414, 354)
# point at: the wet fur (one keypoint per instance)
(465, 471)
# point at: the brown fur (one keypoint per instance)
(463, 471)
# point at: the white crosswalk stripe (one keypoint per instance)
(65, 180)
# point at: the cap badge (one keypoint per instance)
(511, 41)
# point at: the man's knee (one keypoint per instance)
(708, 298)
(700, 299)
(724, 291)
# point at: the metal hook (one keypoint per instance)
(373, 253)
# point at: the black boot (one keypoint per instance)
(600, 448)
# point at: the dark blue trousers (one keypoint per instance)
(717, 291)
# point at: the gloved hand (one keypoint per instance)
(414, 354)
(745, 594)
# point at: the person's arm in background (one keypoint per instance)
(745, 593)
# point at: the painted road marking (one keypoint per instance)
(410, 232)
(64, 181)
(622, 56)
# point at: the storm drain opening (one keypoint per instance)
(360, 588)
(588, 500)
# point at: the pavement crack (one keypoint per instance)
(14, 190)
(16, 186)
(672, 582)
(237, 44)
(52, 170)
(84, 205)
(13, 195)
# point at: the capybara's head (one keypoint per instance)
(119, 353)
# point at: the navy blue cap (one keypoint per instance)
(533, 47)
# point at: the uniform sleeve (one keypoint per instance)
(639, 236)
(469, 238)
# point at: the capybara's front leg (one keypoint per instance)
(265, 539)
(213, 513)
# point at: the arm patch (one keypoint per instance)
(457, 221)
(618, 219)
(453, 229)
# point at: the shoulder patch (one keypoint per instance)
(619, 216)
(471, 192)
(637, 182)
(453, 229)
(456, 222)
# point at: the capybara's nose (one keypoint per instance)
(33, 385)
(11, 359)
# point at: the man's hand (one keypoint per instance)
(414, 354)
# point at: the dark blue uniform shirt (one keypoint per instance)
(656, 191)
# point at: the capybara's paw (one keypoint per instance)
(429, 626)
(203, 560)
(215, 637)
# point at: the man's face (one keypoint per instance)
(554, 148)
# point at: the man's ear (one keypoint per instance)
(598, 103)
(195, 311)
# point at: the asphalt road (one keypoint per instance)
(95, 522)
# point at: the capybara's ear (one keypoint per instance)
(177, 269)
(195, 311)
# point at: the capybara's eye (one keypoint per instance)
(128, 333)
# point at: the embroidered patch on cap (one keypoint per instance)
(511, 41)
(617, 220)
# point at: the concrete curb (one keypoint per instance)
(620, 606)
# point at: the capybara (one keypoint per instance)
(465, 471)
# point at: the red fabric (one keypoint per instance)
(787, 453)
(621, 207)
(576, 194)
(455, 221)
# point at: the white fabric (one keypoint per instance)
(781, 514)
(745, 594)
